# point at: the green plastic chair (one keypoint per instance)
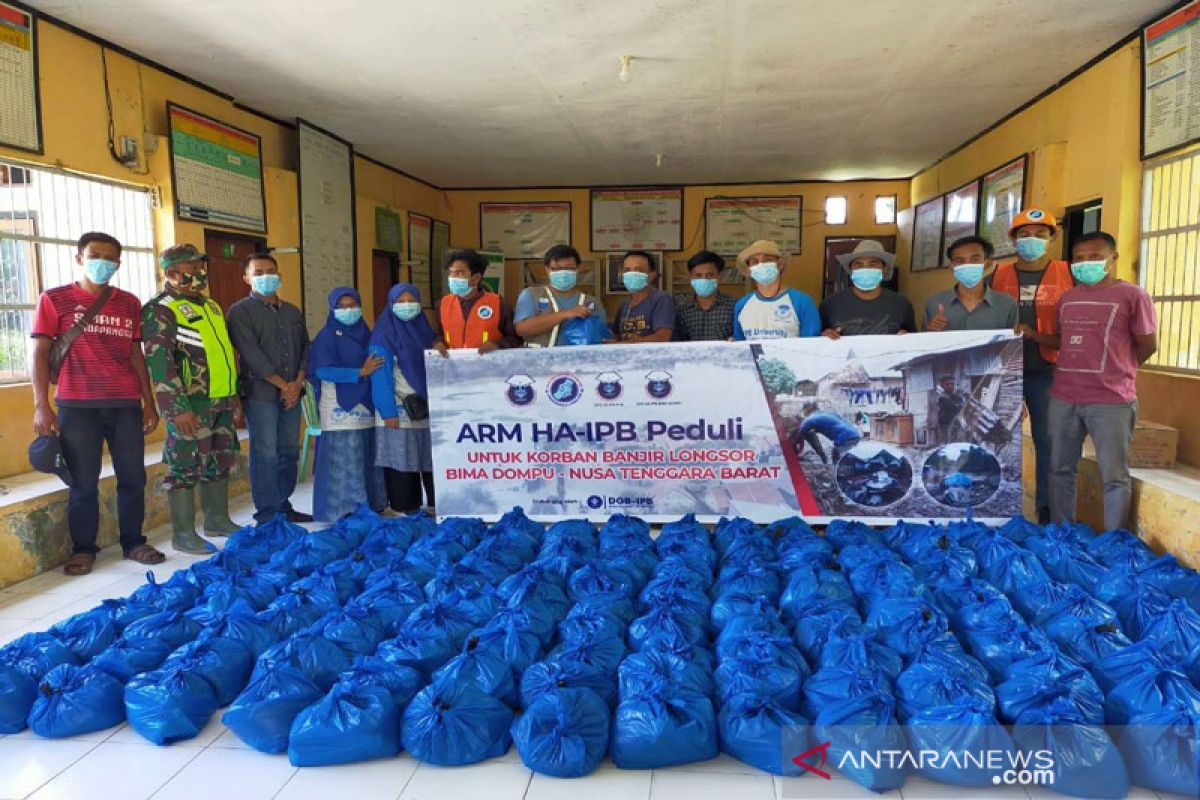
(312, 429)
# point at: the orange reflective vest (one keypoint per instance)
(1056, 280)
(483, 320)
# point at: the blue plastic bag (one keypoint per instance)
(1039, 688)
(1120, 547)
(563, 733)
(263, 714)
(658, 672)
(681, 622)
(176, 594)
(482, 667)
(752, 645)
(1085, 762)
(861, 650)
(652, 730)
(23, 662)
(585, 621)
(1148, 693)
(390, 598)
(1116, 668)
(74, 700)
(170, 627)
(806, 553)
(1137, 604)
(866, 723)
(354, 629)
(516, 521)
(588, 330)
(546, 676)
(963, 726)
(416, 651)
(308, 651)
(1178, 630)
(453, 724)
(172, 703)
(1064, 561)
(241, 624)
(1161, 751)
(687, 529)
(924, 686)
(832, 685)
(673, 642)
(749, 578)
(757, 733)
(510, 634)
(883, 580)
(225, 663)
(823, 620)
(807, 585)
(772, 681)
(351, 723)
(88, 633)
(673, 572)
(538, 593)
(440, 619)
(1084, 642)
(127, 657)
(601, 652)
(401, 683)
(904, 623)
(312, 551)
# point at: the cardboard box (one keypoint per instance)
(1153, 446)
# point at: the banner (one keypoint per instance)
(876, 428)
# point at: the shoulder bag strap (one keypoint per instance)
(63, 343)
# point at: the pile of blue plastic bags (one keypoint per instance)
(456, 641)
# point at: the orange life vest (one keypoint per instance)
(484, 319)
(1056, 280)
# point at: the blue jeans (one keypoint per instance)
(1037, 400)
(274, 455)
(82, 434)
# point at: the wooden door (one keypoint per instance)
(226, 251)
(385, 273)
(837, 278)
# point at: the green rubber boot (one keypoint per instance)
(182, 504)
(214, 501)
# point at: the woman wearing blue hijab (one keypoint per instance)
(402, 444)
(345, 474)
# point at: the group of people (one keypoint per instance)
(204, 370)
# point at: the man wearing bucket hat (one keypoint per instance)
(771, 311)
(1037, 282)
(194, 371)
(866, 307)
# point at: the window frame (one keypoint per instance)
(846, 203)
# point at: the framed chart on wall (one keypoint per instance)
(733, 223)
(216, 171)
(1171, 81)
(962, 213)
(420, 247)
(927, 234)
(647, 218)
(328, 243)
(1000, 200)
(524, 230)
(20, 99)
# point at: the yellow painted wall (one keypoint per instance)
(803, 272)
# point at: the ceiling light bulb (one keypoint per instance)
(624, 73)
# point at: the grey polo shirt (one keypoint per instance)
(997, 310)
(270, 339)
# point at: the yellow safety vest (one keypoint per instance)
(200, 330)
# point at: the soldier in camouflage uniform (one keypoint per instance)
(194, 373)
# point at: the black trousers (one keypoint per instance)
(83, 431)
(404, 489)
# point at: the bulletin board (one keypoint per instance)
(439, 243)
(420, 248)
(1171, 81)
(731, 224)
(493, 279)
(524, 230)
(637, 219)
(328, 247)
(1001, 199)
(20, 99)
(216, 170)
(962, 213)
(927, 235)
(389, 230)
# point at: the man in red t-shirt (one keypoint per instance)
(103, 394)
(1106, 329)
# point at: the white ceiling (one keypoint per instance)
(525, 92)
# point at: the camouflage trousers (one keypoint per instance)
(206, 457)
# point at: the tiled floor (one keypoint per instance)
(118, 764)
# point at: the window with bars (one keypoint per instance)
(42, 214)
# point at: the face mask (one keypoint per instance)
(459, 286)
(1089, 273)
(635, 281)
(265, 284)
(867, 278)
(704, 287)
(765, 273)
(969, 275)
(406, 311)
(1030, 248)
(563, 279)
(98, 270)
(347, 316)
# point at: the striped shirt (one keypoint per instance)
(98, 370)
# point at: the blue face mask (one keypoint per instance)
(99, 270)
(635, 281)
(459, 286)
(969, 275)
(704, 287)
(406, 311)
(265, 284)
(347, 316)
(1089, 273)
(563, 279)
(1030, 248)
(867, 279)
(765, 273)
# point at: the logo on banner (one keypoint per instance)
(609, 385)
(564, 390)
(520, 390)
(658, 384)
(595, 502)
(485, 312)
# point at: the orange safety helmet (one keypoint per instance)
(1034, 216)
